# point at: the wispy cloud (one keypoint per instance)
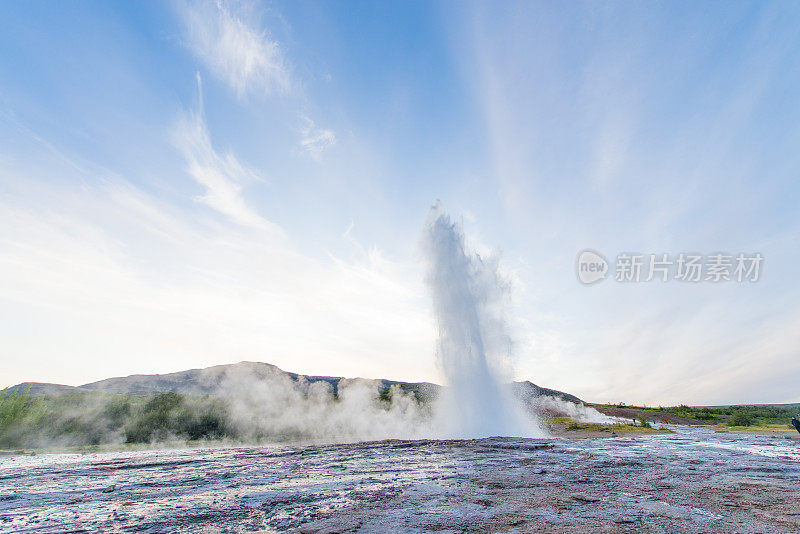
(313, 139)
(107, 268)
(226, 36)
(632, 145)
(221, 175)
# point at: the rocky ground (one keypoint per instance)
(694, 480)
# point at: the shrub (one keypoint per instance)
(20, 416)
(171, 415)
(205, 425)
(117, 412)
(740, 418)
(156, 419)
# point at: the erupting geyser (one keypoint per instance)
(467, 293)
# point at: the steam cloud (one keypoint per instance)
(468, 293)
(278, 407)
(259, 402)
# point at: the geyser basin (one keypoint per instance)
(692, 481)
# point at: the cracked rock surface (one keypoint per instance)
(692, 481)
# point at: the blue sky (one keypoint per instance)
(191, 183)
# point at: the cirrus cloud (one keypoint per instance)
(221, 175)
(227, 38)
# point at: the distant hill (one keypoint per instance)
(42, 388)
(210, 380)
(528, 388)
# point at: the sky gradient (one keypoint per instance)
(193, 183)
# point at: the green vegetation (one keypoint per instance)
(729, 415)
(385, 395)
(621, 428)
(86, 419)
(703, 414)
(564, 420)
(92, 419)
(18, 412)
(759, 415)
(759, 418)
(420, 395)
(739, 418)
(756, 428)
(170, 415)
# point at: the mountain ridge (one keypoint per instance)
(206, 381)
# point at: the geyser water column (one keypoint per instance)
(466, 291)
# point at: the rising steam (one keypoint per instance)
(255, 402)
(467, 293)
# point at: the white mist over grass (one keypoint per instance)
(270, 406)
(468, 294)
(548, 406)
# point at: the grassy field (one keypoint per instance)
(94, 419)
(570, 425)
(757, 428)
(743, 416)
(85, 420)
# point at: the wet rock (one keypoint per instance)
(628, 485)
(330, 526)
(109, 489)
